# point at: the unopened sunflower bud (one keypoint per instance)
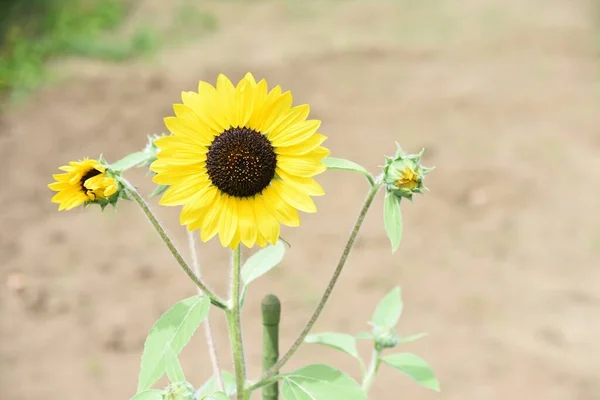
(179, 391)
(385, 338)
(403, 174)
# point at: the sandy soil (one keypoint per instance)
(499, 262)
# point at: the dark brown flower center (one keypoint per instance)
(90, 174)
(241, 162)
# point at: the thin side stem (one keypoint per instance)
(372, 371)
(235, 328)
(336, 274)
(212, 349)
(133, 194)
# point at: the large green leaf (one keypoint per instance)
(346, 165)
(338, 341)
(388, 310)
(211, 386)
(414, 367)
(320, 382)
(392, 218)
(170, 333)
(260, 263)
(148, 395)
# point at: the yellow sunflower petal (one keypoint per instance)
(247, 222)
(203, 199)
(307, 185)
(228, 221)
(191, 132)
(273, 107)
(296, 133)
(182, 191)
(177, 173)
(294, 197)
(285, 213)
(301, 166)
(268, 226)
(294, 116)
(210, 223)
(243, 100)
(303, 147)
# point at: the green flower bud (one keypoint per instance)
(385, 338)
(179, 391)
(403, 174)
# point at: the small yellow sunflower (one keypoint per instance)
(84, 181)
(241, 161)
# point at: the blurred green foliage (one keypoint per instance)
(32, 31)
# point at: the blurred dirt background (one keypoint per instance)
(499, 262)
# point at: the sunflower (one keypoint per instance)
(240, 160)
(83, 182)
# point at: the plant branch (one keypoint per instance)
(131, 191)
(336, 274)
(372, 371)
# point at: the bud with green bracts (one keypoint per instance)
(403, 174)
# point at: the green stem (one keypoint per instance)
(271, 315)
(133, 193)
(235, 328)
(336, 274)
(372, 371)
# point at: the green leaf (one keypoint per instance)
(392, 218)
(158, 190)
(215, 396)
(171, 332)
(211, 386)
(346, 165)
(415, 368)
(339, 341)
(320, 382)
(174, 370)
(148, 395)
(412, 338)
(260, 263)
(364, 336)
(131, 160)
(388, 310)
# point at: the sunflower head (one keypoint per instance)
(240, 160)
(84, 182)
(404, 174)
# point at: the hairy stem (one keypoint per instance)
(235, 328)
(372, 371)
(336, 274)
(133, 194)
(212, 349)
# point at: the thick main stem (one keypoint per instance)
(235, 326)
(210, 342)
(336, 274)
(133, 193)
